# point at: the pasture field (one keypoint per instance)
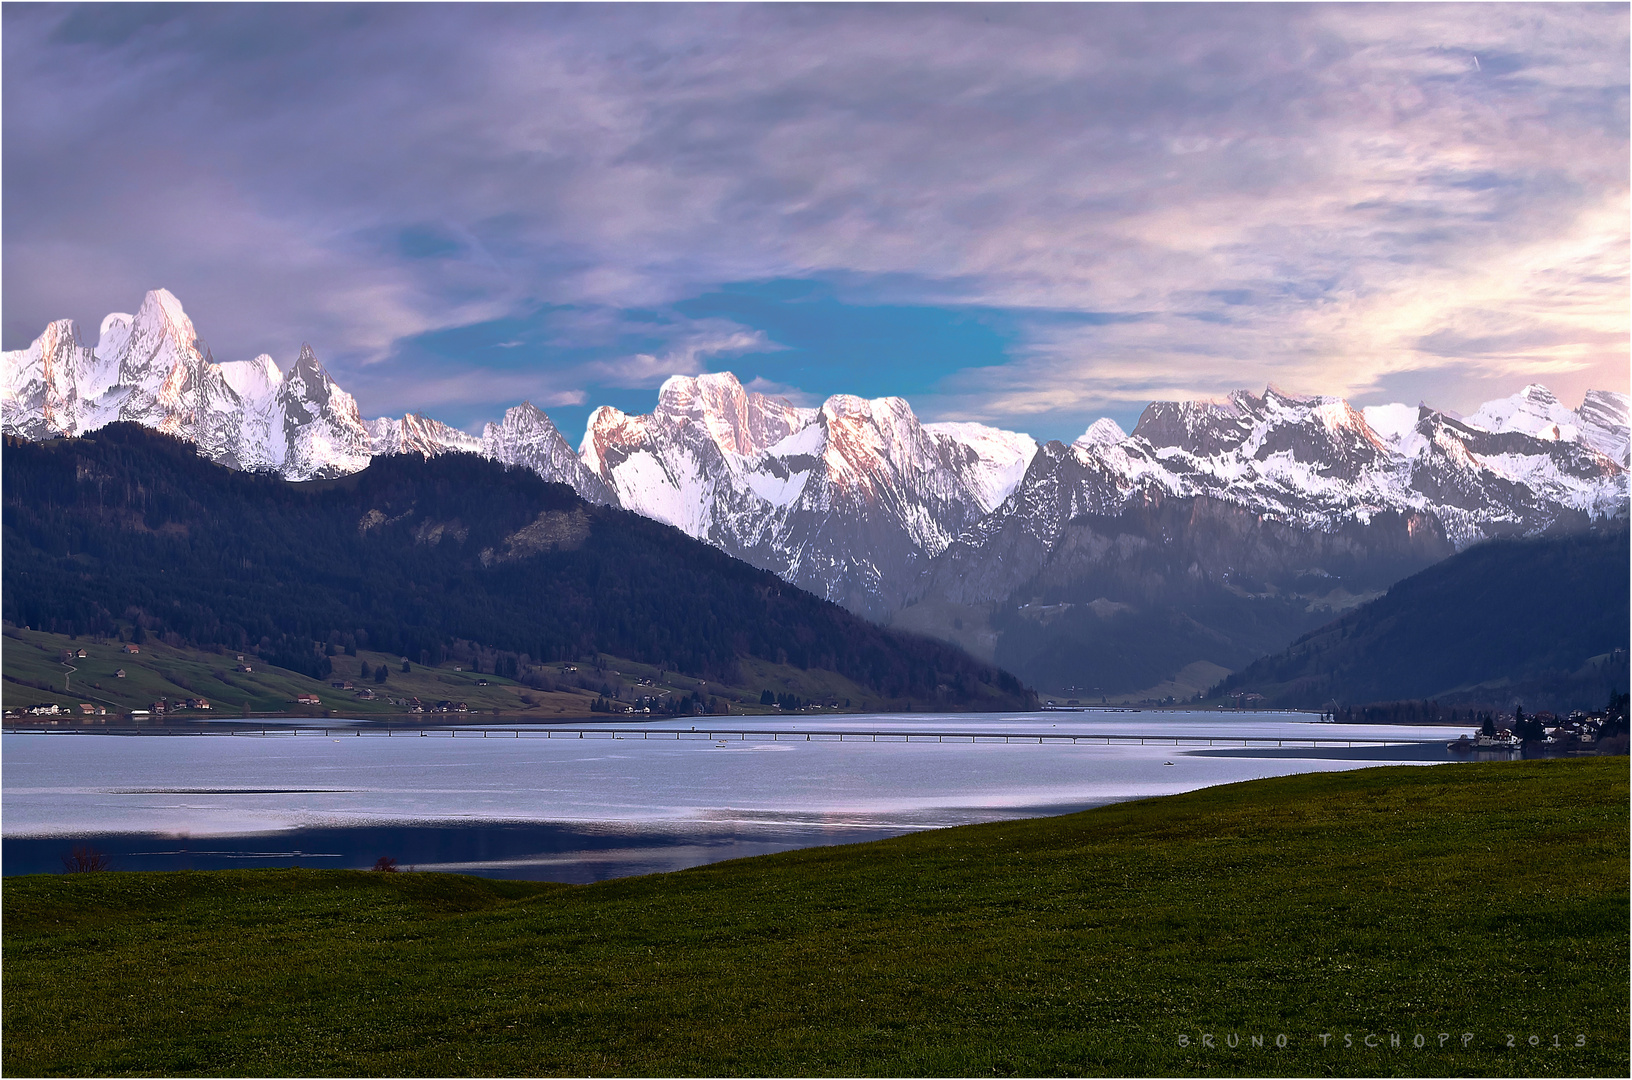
(1342, 914)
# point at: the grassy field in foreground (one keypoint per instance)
(1486, 899)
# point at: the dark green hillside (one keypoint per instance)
(1485, 900)
(126, 528)
(1542, 622)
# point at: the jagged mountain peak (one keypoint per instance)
(527, 437)
(607, 426)
(1201, 427)
(1531, 410)
(1102, 432)
(851, 498)
(738, 421)
(309, 381)
(1607, 404)
(526, 416)
(418, 434)
(307, 361)
(60, 333)
(161, 306)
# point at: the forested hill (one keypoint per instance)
(1541, 622)
(125, 527)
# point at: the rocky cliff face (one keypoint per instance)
(847, 500)
(528, 439)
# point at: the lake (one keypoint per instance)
(587, 804)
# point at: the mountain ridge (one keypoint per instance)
(863, 503)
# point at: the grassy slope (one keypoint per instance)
(33, 656)
(1488, 898)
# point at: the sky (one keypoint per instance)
(1027, 216)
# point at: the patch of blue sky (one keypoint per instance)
(830, 344)
(547, 354)
(818, 340)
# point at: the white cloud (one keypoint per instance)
(688, 356)
(1327, 197)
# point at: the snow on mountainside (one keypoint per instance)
(844, 500)
(854, 499)
(1219, 531)
(527, 438)
(152, 369)
(1318, 461)
(1600, 423)
(416, 434)
(1312, 462)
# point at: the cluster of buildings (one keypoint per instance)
(414, 705)
(1544, 730)
(165, 705)
(365, 693)
(51, 708)
(1579, 728)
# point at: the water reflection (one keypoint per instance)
(571, 809)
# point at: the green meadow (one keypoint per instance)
(1336, 918)
(35, 673)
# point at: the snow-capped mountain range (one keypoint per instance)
(857, 499)
(848, 501)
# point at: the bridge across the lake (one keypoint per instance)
(720, 734)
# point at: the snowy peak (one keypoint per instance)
(160, 307)
(308, 382)
(529, 439)
(853, 499)
(1202, 428)
(323, 433)
(115, 329)
(39, 388)
(1603, 416)
(1600, 423)
(1102, 432)
(608, 438)
(159, 359)
(737, 421)
(1533, 410)
(416, 434)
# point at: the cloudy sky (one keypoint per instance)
(1027, 216)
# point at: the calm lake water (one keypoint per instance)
(567, 808)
